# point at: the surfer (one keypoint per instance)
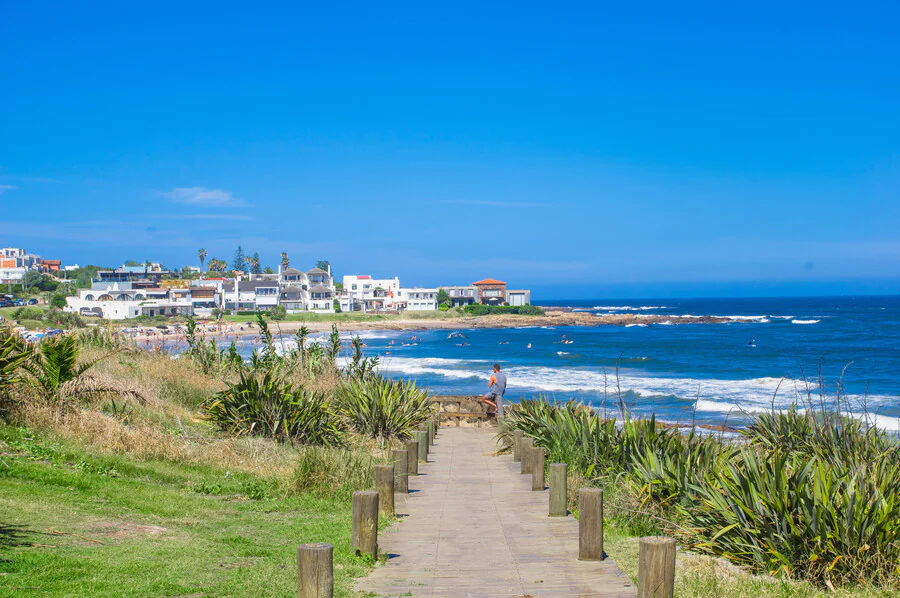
(494, 396)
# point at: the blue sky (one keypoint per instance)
(650, 149)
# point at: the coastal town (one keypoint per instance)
(134, 290)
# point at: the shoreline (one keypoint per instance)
(553, 318)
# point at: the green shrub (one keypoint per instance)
(261, 404)
(57, 317)
(382, 409)
(58, 301)
(812, 495)
(279, 312)
(28, 313)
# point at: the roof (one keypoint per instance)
(252, 285)
(320, 289)
(291, 271)
(292, 292)
(317, 271)
(488, 281)
(364, 277)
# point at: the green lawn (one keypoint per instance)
(77, 524)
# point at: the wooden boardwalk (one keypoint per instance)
(472, 526)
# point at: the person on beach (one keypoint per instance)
(494, 396)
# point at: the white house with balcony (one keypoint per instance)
(418, 299)
(364, 293)
(119, 301)
(251, 295)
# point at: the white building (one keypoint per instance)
(419, 299)
(119, 301)
(251, 295)
(362, 292)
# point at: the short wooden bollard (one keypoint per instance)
(412, 457)
(590, 524)
(432, 431)
(559, 491)
(384, 484)
(502, 431)
(525, 449)
(518, 436)
(315, 571)
(401, 469)
(537, 468)
(422, 443)
(364, 539)
(656, 567)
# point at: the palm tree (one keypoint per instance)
(202, 255)
(13, 354)
(252, 262)
(57, 373)
(285, 261)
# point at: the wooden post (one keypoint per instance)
(559, 491)
(431, 431)
(537, 468)
(422, 443)
(656, 567)
(590, 524)
(518, 435)
(458, 410)
(384, 483)
(365, 522)
(401, 467)
(412, 459)
(527, 445)
(315, 571)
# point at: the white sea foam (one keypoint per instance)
(638, 325)
(628, 307)
(782, 317)
(708, 395)
(804, 321)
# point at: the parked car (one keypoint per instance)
(20, 302)
(32, 302)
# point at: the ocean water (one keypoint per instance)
(805, 349)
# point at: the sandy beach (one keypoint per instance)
(553, 317)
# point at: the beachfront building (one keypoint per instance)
(251, 295)
(364, 293)
(151, 274)
(417, 299)
(321, 299)
(120, 301)
(307, 291)
(518, 297)
(461, 295)
(490, 291)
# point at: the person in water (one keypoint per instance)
(497, 386)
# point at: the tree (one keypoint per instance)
(255, 265)
(202, 255)
(443, 297)
(285, 261)
(323, 265)
(58, 301)
(240, 260)
(132, 263)
(268, 270)
(278, 312)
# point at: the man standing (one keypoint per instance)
(497, 386)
